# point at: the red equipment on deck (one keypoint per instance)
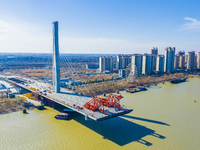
(110, 101)
(95, 103)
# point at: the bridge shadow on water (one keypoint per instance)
(118, 129)
(147, 120)
(42, 108)
(121, 131)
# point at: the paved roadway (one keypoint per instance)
(68, 99)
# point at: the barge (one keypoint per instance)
(175, 81)
(138, 89)
(65, 115)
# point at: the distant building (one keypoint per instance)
(106, 63)
(186, 58)
(10, 58)
(177, 61)
(153, 63)
(160, 63)
(146, 64)
(191, 60)
(195, 61)
(136, 64)
(169, 59)
(181, 53)
(66, 81)
(198, 61)
(154, 51)
(182, 61)
(106, 72)
(122, 73)
(92, 66)
(123, 61)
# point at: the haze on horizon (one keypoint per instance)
(107, 27)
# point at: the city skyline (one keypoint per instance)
(107, 27)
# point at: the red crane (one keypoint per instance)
(95, 103)
(110, 101)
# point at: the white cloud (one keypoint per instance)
(194, 24)
(24, 37)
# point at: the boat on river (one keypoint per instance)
(142, 88)
(174, 81)
(130, 90)
(65, 115)
(138, 89)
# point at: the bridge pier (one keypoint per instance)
(49, 103)
(86, 117)
(53, 105)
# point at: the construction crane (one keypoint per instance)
(95, 103)
(110, 101)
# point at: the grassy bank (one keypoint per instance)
(10, 105)
(111, 87)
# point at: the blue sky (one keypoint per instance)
(100, 26)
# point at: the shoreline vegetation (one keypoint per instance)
(8, 105)
(120, 85)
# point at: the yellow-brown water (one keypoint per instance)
(164, 117)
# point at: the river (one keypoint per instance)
(164, 117)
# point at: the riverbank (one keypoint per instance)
(193, 76)
(112, 87)
(11, 105)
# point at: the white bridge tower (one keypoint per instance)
(56, 63)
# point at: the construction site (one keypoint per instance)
(96, 108)
(51, 93)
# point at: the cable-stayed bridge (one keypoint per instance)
(96, 108)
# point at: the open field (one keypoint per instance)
(10, 105)
(113, 86)
(48, 73)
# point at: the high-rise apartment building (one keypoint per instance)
(154, 51)
(181, 53)
(123, 61)
(136, 64)
(146, 64)
(160, 63)
(198, 61)
(190, 61)
(177, 61)
(169, 59)
(182, 61)
(195, 61)
(153, 63)
(186, 58)
(106, 63)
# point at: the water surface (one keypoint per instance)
(164, 117)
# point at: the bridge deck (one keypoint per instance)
(68, 99)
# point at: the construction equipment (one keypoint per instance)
(29, 96)
(110, 101)
(32, 88)
(95, 103)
